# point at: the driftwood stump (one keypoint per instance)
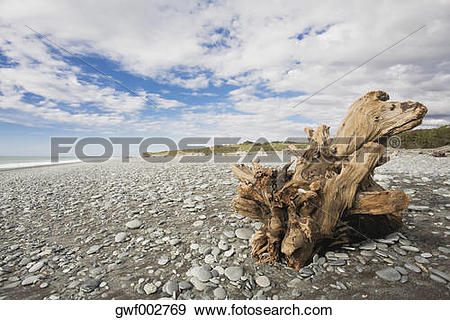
(330, 198)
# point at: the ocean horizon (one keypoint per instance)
(14, 162)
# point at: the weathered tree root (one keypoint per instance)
(330, 198)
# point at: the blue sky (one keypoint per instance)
(213, 68)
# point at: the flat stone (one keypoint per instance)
(209, 258)
(163, 260)
(418, 208)
(338, 263)
(150, 288)
(94, 249)
(174, 242)
(402, 270)
(389, 274)
(440, 273)
(421, 260)
(134, 224)
(244, 233)
(296, 292)
(412, 267)
(426, 255)
(437, 279)
(234, 273)
(198, 223)
(90, 285)
(170, 287)
(342, 255)
(203, 274)
(262, 281)
(229, 234)
(223, 245)
(400, 251)
(199, 285)
(30, 280)
(366, 253)
(184, 285)
(294, 283)
(219, 293)
(36, 267)
(306, 272)
(120, 237)
(229, 253)
(393, 237)
(444, 250)
(410, 248)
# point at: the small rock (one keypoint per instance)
(209, 258)
(184, 285)
(120, 237)
(203, 274)
(410, 248)
(234, 273)
(170, 287)
(94, 249)
(134, 224)
(402, 270)
(294, 283)
(421, 260)
(199, 285)
(440, 273)
(368, 246)
(220, 293)
(338, 263)
(389, 274)
(30, 280)
(37, 266)
(150, 288)
(412, 267)
(198, 223)
(163, 260)
(437, 279)
(296, 292)
(174, 242)
(244, 233)
(262, 281)
(90, 285)
(229, 234)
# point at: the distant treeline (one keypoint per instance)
(416, 139)
(425, 138)
(223, 149)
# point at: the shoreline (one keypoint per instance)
(114, 230)
(31, 165)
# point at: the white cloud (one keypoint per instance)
(251, 44)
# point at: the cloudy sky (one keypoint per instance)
(210, 68)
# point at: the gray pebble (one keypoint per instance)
(234, 273)
(90, 285)
(262, 281)
(244, 233)
(150, 288)
(389, 274)
(412, 267)
(30, 280)
(410, 248)
(37, 266)
(134, 224)
(220, 293)
(120, 237)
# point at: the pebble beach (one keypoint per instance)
(140, 230)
